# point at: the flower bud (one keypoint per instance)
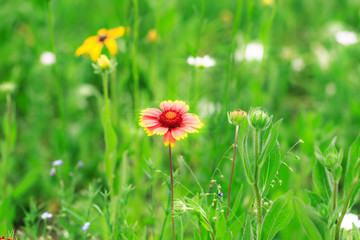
(259, 119)
(235, 117)
(104, 62)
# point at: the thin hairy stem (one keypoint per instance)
(344, 210)
(172, 194)
(256, 178)
(232, 171)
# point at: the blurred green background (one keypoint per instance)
(305, 77)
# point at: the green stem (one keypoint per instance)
(232, 171)
(256, 178)
(172, 194)
(114, 96)
(344, 210)
(166, 215)
(107, 158)
(335, 195)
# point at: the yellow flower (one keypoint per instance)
(94, 44)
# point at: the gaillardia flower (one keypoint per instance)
(94, 44)
(173, 121)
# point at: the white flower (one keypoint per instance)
(47, 58)
(346, 37)
(46, 215)
(205, 61)
(348, 221)
(85, 226)
(254, 51)
(322, 55)
(57, 162)
(7, 87)
(297, 64)
(52, 172)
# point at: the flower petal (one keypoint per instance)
(191, 120)
(169, 139)
(166, 105)
(110, 43)
(180, 107)
(116, 32)
(86, 46)
(157, 129)
(188, 129)
(95, 51)
(153, 112)
(160, 130)
(147, 121)
(178, 133)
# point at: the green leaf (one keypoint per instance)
(26, 183)
(278, 216)
(237, 226)
(246, 232)
(322, 181)
(314, 228)
(221, 228)
(270, 142)
(269, 168)
(353, 156)
(243, 148)
(314, 198)
(236, 204)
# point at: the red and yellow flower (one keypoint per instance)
(172, 120)
(94, 44)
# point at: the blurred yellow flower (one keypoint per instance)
(94, 44)
(152, 35)
(104, 62)
(267, 2)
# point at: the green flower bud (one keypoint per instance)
(259, 119)
(104, 62)
(235, 117)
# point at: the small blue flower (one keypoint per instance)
(57, 162)
(220, 194)
(80, 164)
(86, 226)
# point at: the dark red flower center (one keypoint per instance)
(102, 38)
(170, 119)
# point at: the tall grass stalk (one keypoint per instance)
(59, 85)
(135, 73)
(230, 62)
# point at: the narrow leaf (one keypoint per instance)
(322, 181)
(270, 142)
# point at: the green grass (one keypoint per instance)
(49, 117)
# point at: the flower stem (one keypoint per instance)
(108, 157)
(232, 171)
(344, 210)
(335, 195)
(256, 178)
(172, 194)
